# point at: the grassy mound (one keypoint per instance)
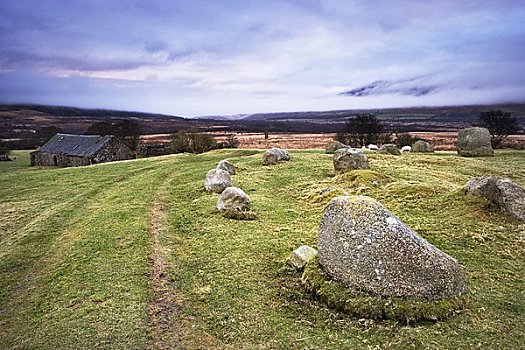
(361, 305)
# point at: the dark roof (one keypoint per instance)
(75, 145)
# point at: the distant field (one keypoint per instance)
(442, 141)
(132, 255)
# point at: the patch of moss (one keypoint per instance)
(363, 177)
(361, 305)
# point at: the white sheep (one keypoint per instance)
(406, 149)
(372, 147)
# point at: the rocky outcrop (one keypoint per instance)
(217, 180)
(349, 159)
(274, 156)
(301, 256)
(501, 191)
(474, 142)
(333, 146)
(227, 166)
(362, 245)
(422, 147)
(389, 148)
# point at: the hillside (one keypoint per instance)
(132, 255)
(23, 121)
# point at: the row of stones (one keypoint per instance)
(233, 202)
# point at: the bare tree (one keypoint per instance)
(500, 124)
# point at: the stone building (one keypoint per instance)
(79, 150)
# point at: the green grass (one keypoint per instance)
(74, 250)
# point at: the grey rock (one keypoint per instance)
(510, 197)
(349, 159)
(389, 148)
(301, 256)
(233, 198)
(422, 147)
(227, 166)
(362, 245)
(217, 180)
(334, 145)
(274, 156)
(474, 142)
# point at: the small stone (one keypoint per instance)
(422, 147)
(334, 145)
(227, 166)
(389, 148)
(274, 156)
(233, 198)
(217, 180)
(349, 159)
(301, 256)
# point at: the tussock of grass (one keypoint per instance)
(361, 305)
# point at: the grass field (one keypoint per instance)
(132, 255)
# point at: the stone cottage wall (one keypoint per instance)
(112, 151)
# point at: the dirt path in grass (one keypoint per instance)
(162, 304)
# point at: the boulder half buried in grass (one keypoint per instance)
(365, 247)
(274, 156)
(217, 180)
(507, 195)
(349, 159)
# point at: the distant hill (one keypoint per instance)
(19, 121)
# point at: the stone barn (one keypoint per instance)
(79, 150)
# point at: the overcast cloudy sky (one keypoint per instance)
(191, 57)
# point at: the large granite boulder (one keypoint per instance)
(362, 245)
(274, 156)
(474, 142)
(217, 180)
(422, 147)
(334, 145)
(507, 195)
(227, 166)
(389, 148)
(349, 159)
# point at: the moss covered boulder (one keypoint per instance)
(365, 247)
(234, 203)
(474, 142)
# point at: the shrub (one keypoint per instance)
(405, 139)
(192, 142)
(500, 124)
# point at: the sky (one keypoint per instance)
(203, 57)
